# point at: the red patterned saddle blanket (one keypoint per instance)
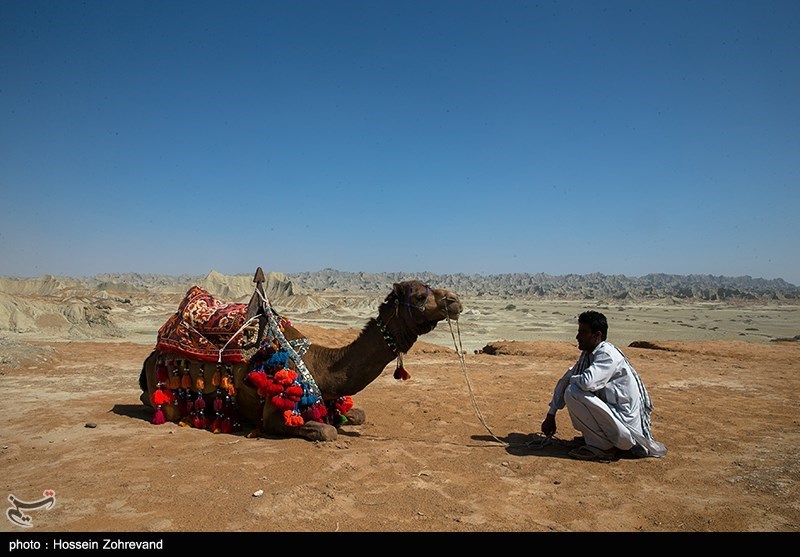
(208, 329)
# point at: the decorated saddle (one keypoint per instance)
(206, 328)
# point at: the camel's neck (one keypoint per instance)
(347, 370)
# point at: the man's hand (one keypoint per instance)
(549, 425)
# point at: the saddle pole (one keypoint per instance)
(256, 306)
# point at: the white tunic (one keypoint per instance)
(607, 402)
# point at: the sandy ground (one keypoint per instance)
(447, 451)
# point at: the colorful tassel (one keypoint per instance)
(344, 404)
(400, 372)
(159, 419)
(226, 425)
(292, 418)
(285, 377)
(227, 385)
(294, 392)
(161, 397)
(199, 420)
(257, 379)
(174, 380)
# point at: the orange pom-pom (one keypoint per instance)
(344, 404)
(200, 382)
(292, 418)
(285, 377)
(215, 379)
(186, 381)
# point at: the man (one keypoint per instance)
(606, 400)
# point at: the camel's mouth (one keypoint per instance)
(453, 308)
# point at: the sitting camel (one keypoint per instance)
(289, 387)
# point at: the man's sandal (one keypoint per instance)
(588, 452)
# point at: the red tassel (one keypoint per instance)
(257, 378)
(401, 374)
(295, 392)
(199, 421)
(215, 425)
(159, 419)
(199, 404)
(282, 402)
(315, 412)
(162, 397)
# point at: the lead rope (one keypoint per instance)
(460, 351)
(540, 440)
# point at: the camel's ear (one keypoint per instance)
(398, 291)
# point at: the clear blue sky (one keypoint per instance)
(457, 136)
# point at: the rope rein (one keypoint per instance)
(460, 351)
(540, 441)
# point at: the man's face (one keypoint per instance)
(587, 340)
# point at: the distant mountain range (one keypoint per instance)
(514, 285)
(595, 285)
(134, 305)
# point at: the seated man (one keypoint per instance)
(606, 399)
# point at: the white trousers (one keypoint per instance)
(592, 417)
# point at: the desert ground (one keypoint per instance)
(453, 449)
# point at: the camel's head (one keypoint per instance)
(419, 306)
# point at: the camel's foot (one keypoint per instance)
(145, 399)
(315, 431)
(355, 416)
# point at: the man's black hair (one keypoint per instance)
(596, 321)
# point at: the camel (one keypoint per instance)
(291, 387)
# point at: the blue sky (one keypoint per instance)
(448, 136)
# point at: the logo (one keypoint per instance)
(16, 513)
